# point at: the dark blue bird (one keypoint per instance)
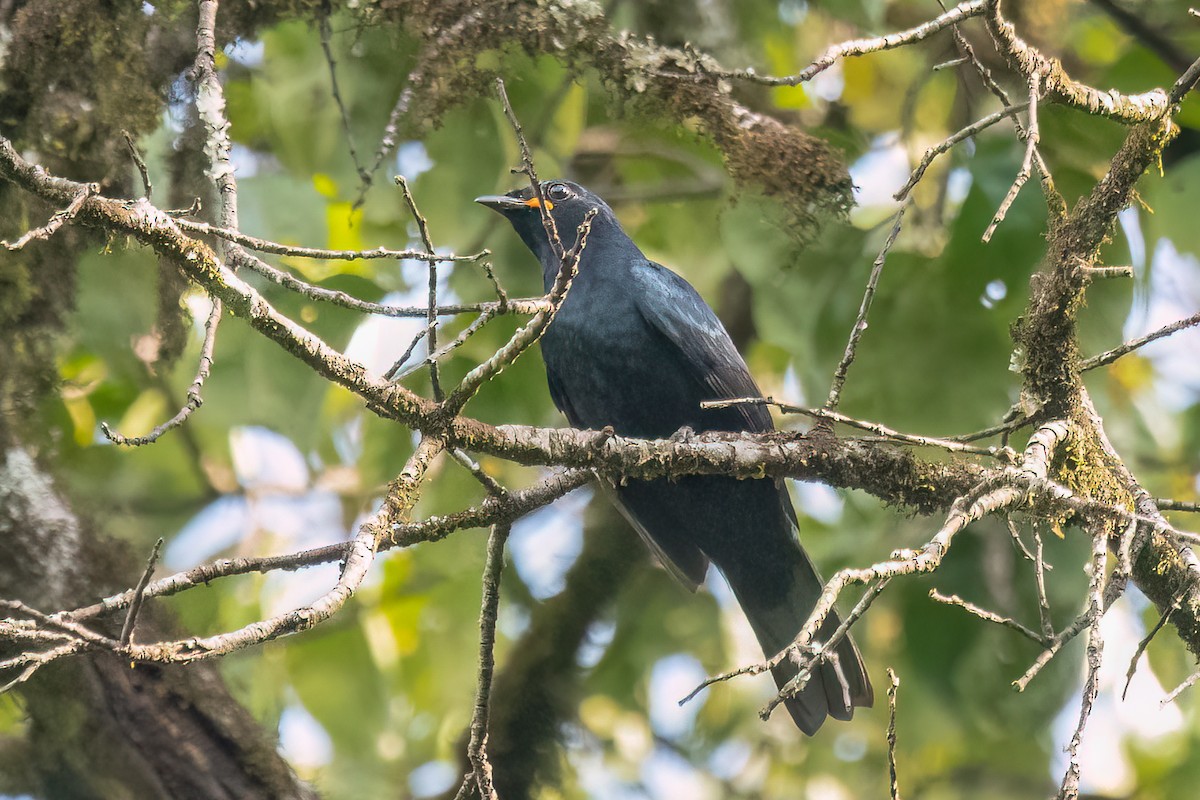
(636, 348)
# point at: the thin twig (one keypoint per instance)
(1039, 575)
(327, 47)
(1181, 688)
(431, 319)
(1069, 789)
(57, 220)
(1031, 142)
(1017, 421)
(194, 397)
(1187, 81)
(1109, 356)
(476, 325)
(860, 324)
(872, 427)
(277, 249)
(812, 655)
(966, 133)
(493, 510)
(954, 62)
(893, 688)
(394, 370)
(1054, 201)
(477, 749)
(860, 47)
(1016, 538)
(501, 295)
(415, 78)
(1110, 272)
(1167, 504)
(140, 163)
(984, 614)
(340, 298)
(1143, 644)
(493, 486)
(139, 594)
(528, 168)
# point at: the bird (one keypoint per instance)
(633, 347)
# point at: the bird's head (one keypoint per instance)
(568, 203)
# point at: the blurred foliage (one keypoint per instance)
(383, 692)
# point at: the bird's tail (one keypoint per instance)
(776, 617)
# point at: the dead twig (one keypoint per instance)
(860, 324)
(139, 594)
(57, 220)
(1109, 356)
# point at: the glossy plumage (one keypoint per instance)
(636, 348)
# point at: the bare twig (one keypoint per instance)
(431, 320)
(32, 662)
(1167, 504)
(1031, 143)
(477, 749)
(391, 131)
(1013, 421)
(1039, 574)
(1187, 81)
(194, 398)
(139, 594)
(1110, 272)
(277, 249)
(358, 555)
(1109, 356)
(954, 62)
(1181, 688)
(860, 47)
(872, 427)
(493, 510)
(393, 372)
(327, 48)
(860, 324)
(1016, 538)
(893, 688)
(528, 169)
(816, 653)
(501, 295)
(140, 163)
(1143, 644)
(340, 298)
(1069, 789)
(966, 133)
(1054, 201)
(984, 614)
(483, 319)
(472, 466)
(57, 220)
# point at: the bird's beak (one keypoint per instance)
(502, 203)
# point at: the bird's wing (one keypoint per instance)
(673, 308)
(563, 403)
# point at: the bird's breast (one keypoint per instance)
(614, 369)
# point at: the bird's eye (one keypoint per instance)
(558, 192)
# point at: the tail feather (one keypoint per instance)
(777, 619)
